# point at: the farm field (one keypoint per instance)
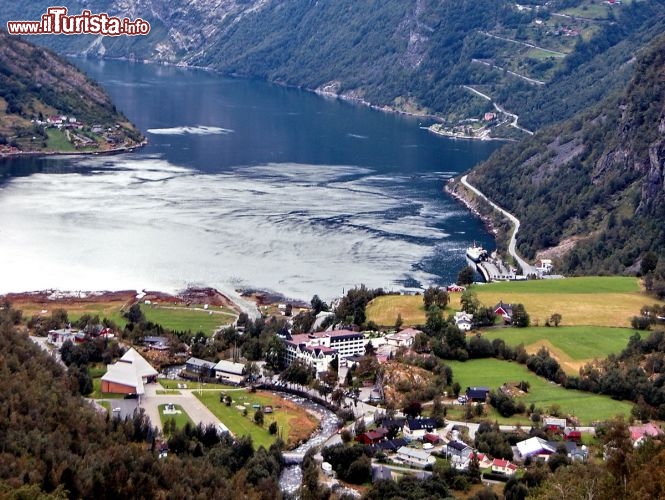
(587, 407)
(182, 319)
(384, 310)
(572, 346)
(593, 301)
(294, 422)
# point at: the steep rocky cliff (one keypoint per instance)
(597, 181)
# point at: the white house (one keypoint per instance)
(458, 449)
(228, 371)
(403, 338)
(504, 467)
(464, 321)
(417, 458)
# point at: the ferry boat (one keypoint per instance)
(476, 253)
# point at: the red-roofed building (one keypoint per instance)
(500, 466)
(370, 437)
(638, 433)
(483, 460)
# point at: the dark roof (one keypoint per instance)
(458, 445)
(508, 308)
(477, 392)
(393, 422)
(421, 423)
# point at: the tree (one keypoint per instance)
(259, 417)
(318, 305)
(272, 428)
(649, 263)
(435, 296)
(413, 409)
(555, 319)
(399, 321)
(469, 302)
(466, 276)
(520, 317)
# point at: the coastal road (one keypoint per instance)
(526, 267)
(514, 117)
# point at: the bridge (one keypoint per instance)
(293, 458)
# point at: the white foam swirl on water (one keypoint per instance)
(197, 130)
(138, 221)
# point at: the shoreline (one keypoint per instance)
(123, 149)
(468, 202)
(323, 93)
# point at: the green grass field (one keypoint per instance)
(57, 141)
(587, 407)
(293, 422)
(182, 319)
(595, 301)
(576, 342)
(180, 418)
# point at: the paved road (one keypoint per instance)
(526, 267)
(530, 45)
(500, 109)
(196, 410)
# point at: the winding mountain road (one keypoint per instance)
(526, 267)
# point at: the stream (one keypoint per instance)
(291, 476)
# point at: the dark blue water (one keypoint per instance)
(243, 183)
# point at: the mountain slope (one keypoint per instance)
(38, 89)
(596, 182)
(410, 55)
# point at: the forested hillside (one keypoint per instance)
(38, 88)
(596, 181)
(536, 59)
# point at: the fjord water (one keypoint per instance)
(243, 185)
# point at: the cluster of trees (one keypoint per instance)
(351, 463)
(55, 444)
(637, 374)
(351, 308)
(489, 439)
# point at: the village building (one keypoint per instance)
(477, 394)
(463, 321)
(534, 447)
(504, 467)
(62, 335)
(417, 458)
(128, 375)
(458, 449)
(417, 428)
(199, 368)
(505, 311)
(230, 372)
(403, 338)
(639, 433)
(320, 348)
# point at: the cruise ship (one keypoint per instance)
(476, 253)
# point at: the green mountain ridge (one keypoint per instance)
(47, 105)
(596, 181)
(410, 55)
